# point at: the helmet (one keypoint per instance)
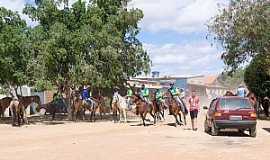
(143, 85)
(116, 88)
(171, 83)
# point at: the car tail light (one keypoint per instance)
(218, 114)
(253, 114)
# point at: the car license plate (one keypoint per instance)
(235, 118)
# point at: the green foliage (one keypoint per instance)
(13, 48)
(232, 80)
(243, 29)
(257, 75)
(93, 43)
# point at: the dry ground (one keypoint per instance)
(106, 140)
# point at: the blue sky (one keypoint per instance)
(173, 32)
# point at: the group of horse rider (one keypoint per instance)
(159, 96)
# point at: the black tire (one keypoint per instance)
(207, 129)
(253, 132)
(214, 130)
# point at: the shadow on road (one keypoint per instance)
(140, 124)
(267, 129)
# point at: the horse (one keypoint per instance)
(27, 100)
(76, 105)
(53, 108)
(4, 103)
(175, 109)
(17, 112)
(142, 108)
(158, 110)
(119, 104)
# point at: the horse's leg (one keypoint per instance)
(24, 116)
(180, 118)
(125, 115)
(185, 120)
(176, 120)
(143, 118)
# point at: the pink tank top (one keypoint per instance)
(194, 103)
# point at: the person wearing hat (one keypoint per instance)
(175, 92)
(241, 91)
(87, 94)
(144, 93)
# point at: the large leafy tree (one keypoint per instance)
(243, 29)
(14, 46)
(94, 43)
(257, 75)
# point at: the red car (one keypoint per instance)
(230, 112)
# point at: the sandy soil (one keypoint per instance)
(106, 140)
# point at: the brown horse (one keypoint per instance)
(142, 108)
(4, 103)
(92, 108)
(27, 100)
(175, 109)
(17, 112)
(158, 110)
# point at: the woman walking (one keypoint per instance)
(194, 109)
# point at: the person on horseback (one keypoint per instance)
(86, 95)
(145, 94)
(175, 93)
(159, 96)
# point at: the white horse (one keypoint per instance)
(119, 104)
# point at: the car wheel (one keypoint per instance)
(214, 130)
(253, 132)
(206, 127)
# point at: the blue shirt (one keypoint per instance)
(241, 92)
(86, 94)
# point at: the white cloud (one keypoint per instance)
(17, 5)
(185, 59)
(183, 16)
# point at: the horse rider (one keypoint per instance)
(86, 95)
(241, 91)
(175, 92)
(144, 94)
(159, 95)
(129, 96)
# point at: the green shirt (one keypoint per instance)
(129, 92)
(174, 91)
(145, 92)
(159, 95)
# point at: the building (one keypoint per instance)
(207, 88)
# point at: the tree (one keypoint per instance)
(232, 80)
(13, 48)
(257, 75)
(94, 43)
(243, 29)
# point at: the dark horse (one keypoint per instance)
(142, 108)
(54, 107)
(4, 103)
(175, 109)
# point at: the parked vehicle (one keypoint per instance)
(230, 112)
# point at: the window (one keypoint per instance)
(235, 103)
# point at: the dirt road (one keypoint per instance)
(106, 140)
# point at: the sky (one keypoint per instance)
(173, 33)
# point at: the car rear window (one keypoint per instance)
(235, 103)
